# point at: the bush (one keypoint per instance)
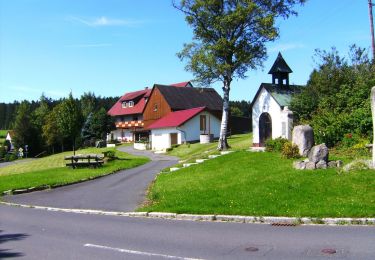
(9, 157)
(2, 152)
(110, 155)
(290, 150)
(275, 145)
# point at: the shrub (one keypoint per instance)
(275, 145)
(9, 157)
(2, 151)
(290, 150)
(110, 155)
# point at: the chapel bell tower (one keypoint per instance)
(280, 71)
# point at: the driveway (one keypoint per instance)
(123, 191)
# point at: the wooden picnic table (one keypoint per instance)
(85, 160)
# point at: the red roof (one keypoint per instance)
(176, 118)
(117, 109)
(181, 84)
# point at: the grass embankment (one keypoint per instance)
(3, 135)
(51, 171)
(263, 184)
(197, 150)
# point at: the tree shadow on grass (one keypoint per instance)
(6, 253)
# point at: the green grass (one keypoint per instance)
(51, 170)
(3, 135)
(263, 184)
(197, 150)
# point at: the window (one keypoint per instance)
(123, 104)
(135, 118)
(155, 107)
(131, 103)
(203, 123)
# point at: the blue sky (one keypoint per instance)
(110, 47)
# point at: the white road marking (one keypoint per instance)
(128, 251)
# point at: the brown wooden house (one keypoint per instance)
(165, 99)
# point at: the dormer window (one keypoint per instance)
(131, 104)
(124, 104)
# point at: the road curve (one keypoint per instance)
(123, 191)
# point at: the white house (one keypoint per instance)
(183, 126)
(271, 117)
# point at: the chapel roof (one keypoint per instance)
(280, 66)
(282, 96)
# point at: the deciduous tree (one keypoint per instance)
(69, 119)
(229, 38)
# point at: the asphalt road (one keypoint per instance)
(39, 234)
(123, 191)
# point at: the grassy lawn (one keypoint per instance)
(52, 171)
(197, 150)
(263, 184)
(3, 135)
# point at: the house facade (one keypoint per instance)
(271, 117)
(128, 116)
(183, 126)
(176, 114)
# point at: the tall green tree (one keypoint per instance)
(102, 124)
(50, 130)
(70, 119)
(336, 100)
(229, 38)
(88, 103)
(23, 128)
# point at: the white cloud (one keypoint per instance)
(105, 21)
(89, 45)
(286, 47)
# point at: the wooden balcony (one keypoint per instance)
(130, 124)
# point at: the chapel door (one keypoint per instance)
(265, 128)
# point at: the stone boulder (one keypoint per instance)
(318, 153)
(321, 164)
(303, 137)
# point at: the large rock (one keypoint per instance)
(318, 153)
(303, 137)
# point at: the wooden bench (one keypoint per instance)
(85, 160)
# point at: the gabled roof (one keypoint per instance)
(182, 84)
(185, 98)
(282, 96)
(135, 94)
(280, 66)
(117, 109)
(177, 118)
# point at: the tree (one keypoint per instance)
(69, 119)
(336, 101)
(102, 124)
(229, 38)
(51, 132)
(39, 116)
(23, 128)
(88, 103)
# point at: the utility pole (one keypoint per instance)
(370, 5)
